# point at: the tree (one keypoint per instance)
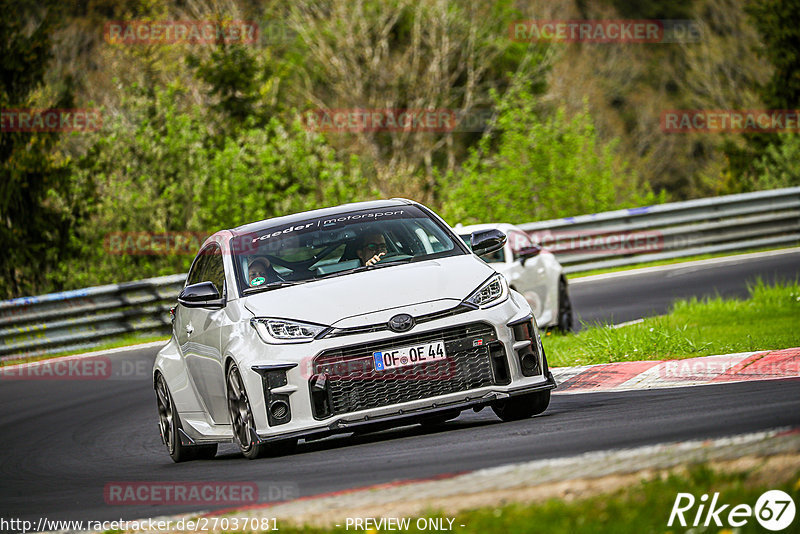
(160, 169)
(37, 206)
(776, 22)
(403, 54)
(540, 165)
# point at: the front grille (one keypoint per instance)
(353, 384)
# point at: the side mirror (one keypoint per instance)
(529, 252)
(201, 295)
(487, 241)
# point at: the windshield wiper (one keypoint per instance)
(340, 273)
(391, 261)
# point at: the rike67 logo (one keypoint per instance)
(774, 510)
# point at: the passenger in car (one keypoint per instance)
(260, 271)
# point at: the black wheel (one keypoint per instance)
(169, 422)
(522, 406)
(242, 423)
(440, 419)
(564, 307)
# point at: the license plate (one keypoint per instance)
(404, 356)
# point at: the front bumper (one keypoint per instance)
(297, 370)
(408, 416)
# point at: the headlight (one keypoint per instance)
(285, 331)
(492, 292)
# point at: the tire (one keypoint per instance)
(205, 452)
(565, 322)
(441, 419)
(241, 415)
(169, 422)
(522, 407)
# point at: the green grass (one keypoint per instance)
(672, 261)
(769, 319)
(638, 509)
(122, 341)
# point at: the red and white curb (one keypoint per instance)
(624, 376)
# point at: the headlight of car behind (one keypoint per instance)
(273, 330)
(492, 292)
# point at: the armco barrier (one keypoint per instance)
(84, 317)
(674, 230)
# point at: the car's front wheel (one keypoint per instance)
(522, 406)
(242, 423)
(564, 307)
(169, 423)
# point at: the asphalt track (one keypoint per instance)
(63, 441)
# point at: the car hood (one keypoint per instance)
(374, 296)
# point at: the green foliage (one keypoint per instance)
(540, 166)
(157, 169)
(36, 207)
(761, 162)
(234, 76)
(653, 9)
(776, 21)
(778, 166)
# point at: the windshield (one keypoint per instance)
(334, 246)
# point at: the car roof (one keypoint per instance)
(258, 226)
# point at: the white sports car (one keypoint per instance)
(532, 271)
(345, 319)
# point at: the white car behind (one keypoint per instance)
(532, 271)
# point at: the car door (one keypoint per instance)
(201, 328)
(211, 365)
(532, 279)
(183, 325)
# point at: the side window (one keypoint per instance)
(518, 241)
(214, 270)
(196, 272)
(208, 267)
